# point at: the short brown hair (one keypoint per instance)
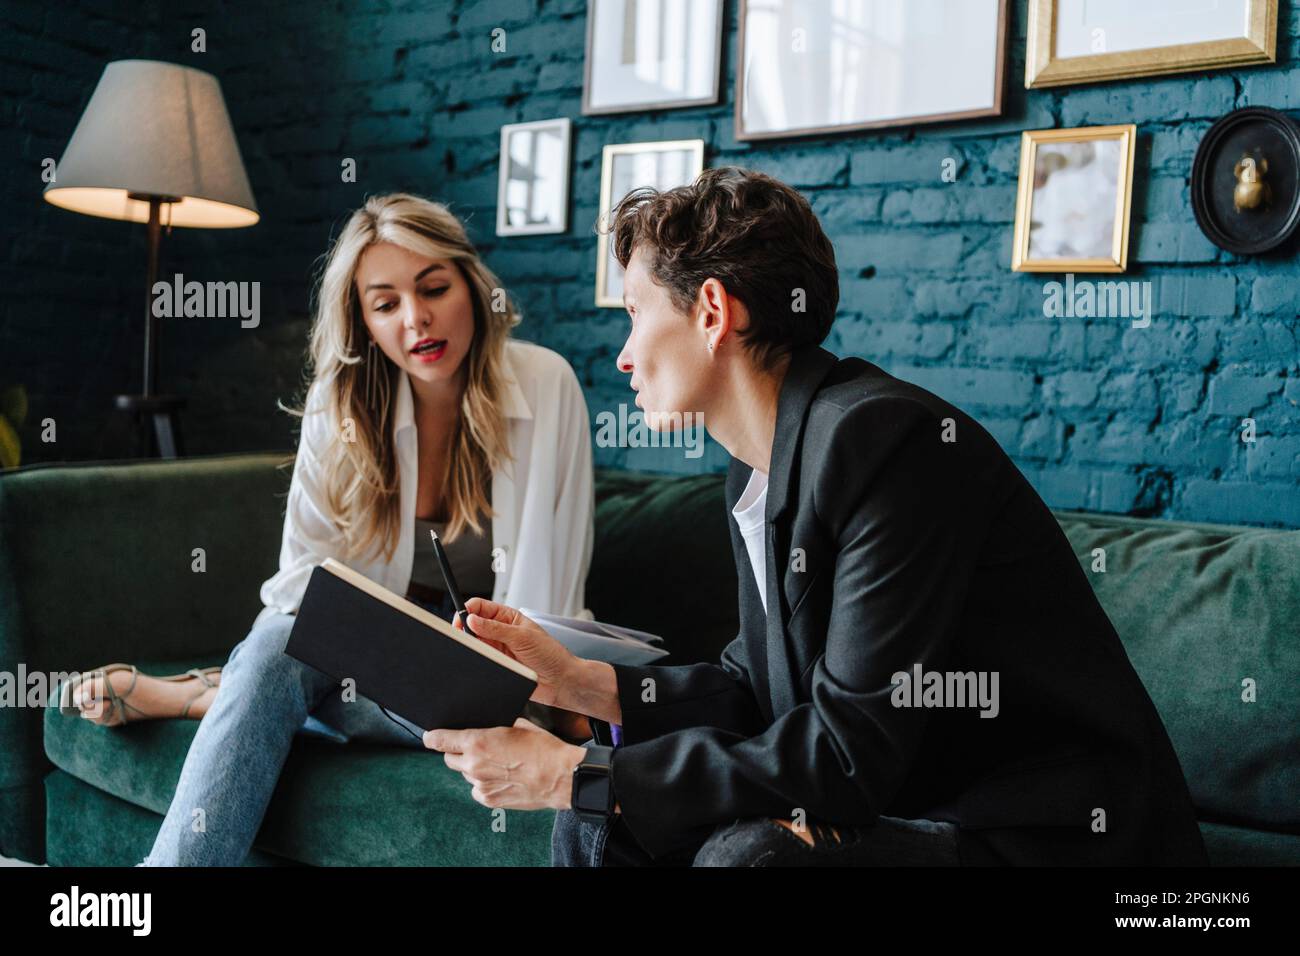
(755, 235)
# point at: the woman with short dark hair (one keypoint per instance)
(923, 674)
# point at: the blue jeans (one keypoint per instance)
(890, 841)
(266, 698)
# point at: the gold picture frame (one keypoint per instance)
(1088, 171)
(691, 163)
(1043, 68)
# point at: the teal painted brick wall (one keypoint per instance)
(1098, 414)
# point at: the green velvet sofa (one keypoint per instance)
(96, 566)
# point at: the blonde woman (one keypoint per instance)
(422, 413)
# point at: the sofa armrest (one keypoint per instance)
(97, 564)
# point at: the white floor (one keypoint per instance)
(5, 861)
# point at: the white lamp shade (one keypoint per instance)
(155, 129)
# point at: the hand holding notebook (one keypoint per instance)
(511, 632)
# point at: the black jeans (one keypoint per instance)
(890, 841)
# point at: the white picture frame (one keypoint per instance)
(651, 55)
(628, 166)
(811, 67)
(533, 178)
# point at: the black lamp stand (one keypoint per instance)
(154, 415)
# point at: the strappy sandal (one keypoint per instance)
(118, 706)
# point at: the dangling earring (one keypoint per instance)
(370, 375)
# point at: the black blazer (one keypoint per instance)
(887, 547)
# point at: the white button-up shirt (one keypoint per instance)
(544, 501)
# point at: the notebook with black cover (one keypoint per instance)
(403, 657)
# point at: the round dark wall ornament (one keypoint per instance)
(1246, 180)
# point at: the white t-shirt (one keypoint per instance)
(749, 514)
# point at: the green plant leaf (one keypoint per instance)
(11, 449)
(13, 404)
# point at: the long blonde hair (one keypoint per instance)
(361, 476)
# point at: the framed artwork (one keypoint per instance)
(1086, 41)
(1246, 180)
(533, 179)
(827, 66)
(1074, 200)
(628, 166)
(651, 54)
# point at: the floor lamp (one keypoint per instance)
(155, 146)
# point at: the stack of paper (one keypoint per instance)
(600, 642)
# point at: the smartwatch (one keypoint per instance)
(600, 732)
(593, 789)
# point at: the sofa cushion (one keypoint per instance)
(120, 537)
(1201, 609)
(88, 827)
(662, 561)
(1240, 846)
(335, 805)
